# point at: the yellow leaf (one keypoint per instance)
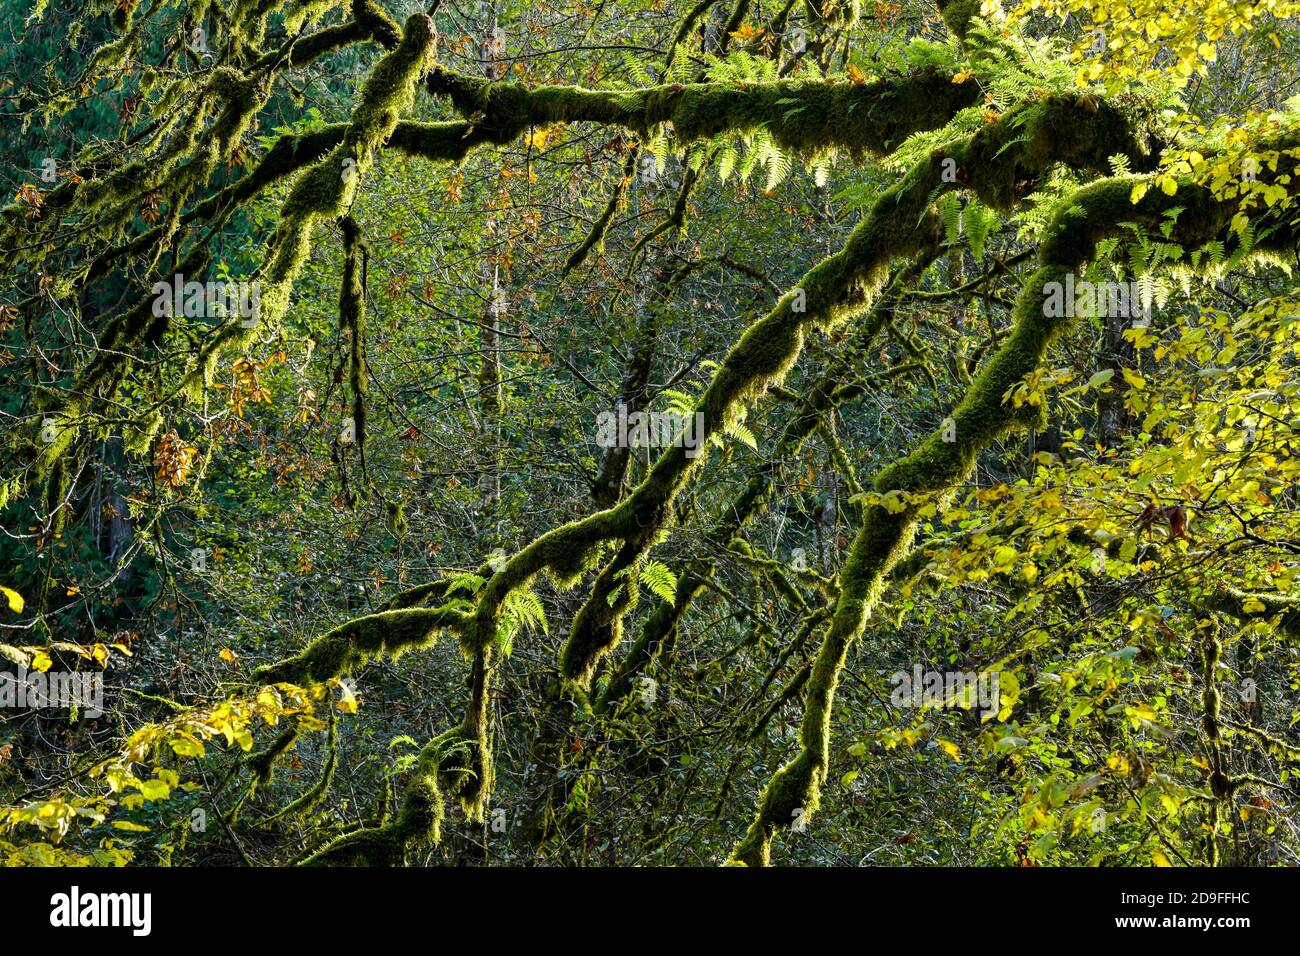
(14, 598)
(1139, 190)
(1134, 379)
(1159, 859)
(188, 746)
(1143, 712)
(948, 747)
(229, 656)
(40, 661)
(154, 790)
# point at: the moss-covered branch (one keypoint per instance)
(458, 761)
(1248, 606)
(801, 115)
(385, 635)
(938, 464)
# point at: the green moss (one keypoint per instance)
(981, 417)
(139, 438)
(186, 158)
(386, 635)
(812, 116)
(328, 188)
(958, 14)
(598, 625)
(657, 631)
(262, 763)
(467, 768)
(596, 234)
(802, 115)
(791, 794)
(458, 761)
(374, 19)
(57, 484)
(1282, 609)
(418, 822)
(301, 13)
(839, 287)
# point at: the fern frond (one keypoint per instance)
(661, 581)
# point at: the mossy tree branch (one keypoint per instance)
(937, 465)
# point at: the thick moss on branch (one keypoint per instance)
(1271, 607)
(375, 20)
(326, 190)
(386, 635)
(370, 22)
(836, 288)
(958, 14)
(468, 769)
(801, 115)
(1002, 161)
(418, 821)
(127, 336)
(262, 763)
(459, 761)
(656, 631)
(982, 416)
(825, 394)
(868, 117)
(809, 116)
(596, 234)
(901, 223)
(444, 142)
(598, 625)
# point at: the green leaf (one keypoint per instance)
(659, 578)
(1101, 378)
